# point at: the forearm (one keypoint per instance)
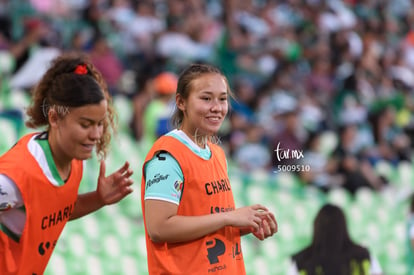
(85, 204)
(187, 228)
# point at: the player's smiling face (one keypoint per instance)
(79, 130)
(206, 106)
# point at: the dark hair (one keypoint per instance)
(332, 251)
(62, 86)
(185, 79)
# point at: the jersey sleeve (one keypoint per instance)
(163, 178)
(10, 196)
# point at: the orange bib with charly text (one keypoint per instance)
(206, 190)
(47, 206)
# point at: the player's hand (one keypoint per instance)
(248, 218)
(267, 228)
(116, 186)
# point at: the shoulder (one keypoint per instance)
(302, 254)
(173, 142)
(23, 141)
(361, 252)
(161, 158)
(162, 161)
(167, 141)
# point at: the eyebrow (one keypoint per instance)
(90, 120)
(210, 92)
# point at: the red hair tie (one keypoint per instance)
(81, 69)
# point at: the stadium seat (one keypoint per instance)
(8, 134)
(93, 265)
(19, 99)
(57, 265)
(405, 172)
(340, 197)
(123, 105)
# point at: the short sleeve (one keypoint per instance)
(163, 178)
(10, 196)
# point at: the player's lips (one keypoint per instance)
(88, 147)
(214, 119)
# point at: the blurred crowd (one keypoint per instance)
(323, 88)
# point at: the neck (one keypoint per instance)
(197, 138)
(61, 160)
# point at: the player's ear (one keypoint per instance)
(180, 102)
(53, 117)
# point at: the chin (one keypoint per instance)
(84, 156)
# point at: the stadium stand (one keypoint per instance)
(112, 241)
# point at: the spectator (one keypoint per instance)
(106, 60)
(253, 154)
(39, 49)
(353, 164)
(140, 102)
(143, 30)
(93, 16)
(392, 144)
(289, 142)
(158, 111)
(332, 250)
(242, 114)
(176, 42)
(316, 168)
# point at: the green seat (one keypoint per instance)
(57, 265)
(123, 106)
(8, 134)
(340, 197)
(94, 265)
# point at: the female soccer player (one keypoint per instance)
(41, 173)
(191, 221)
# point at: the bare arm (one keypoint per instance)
(85, 204)
(110, 190)
(164, 225)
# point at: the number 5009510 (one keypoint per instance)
(293, 168)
